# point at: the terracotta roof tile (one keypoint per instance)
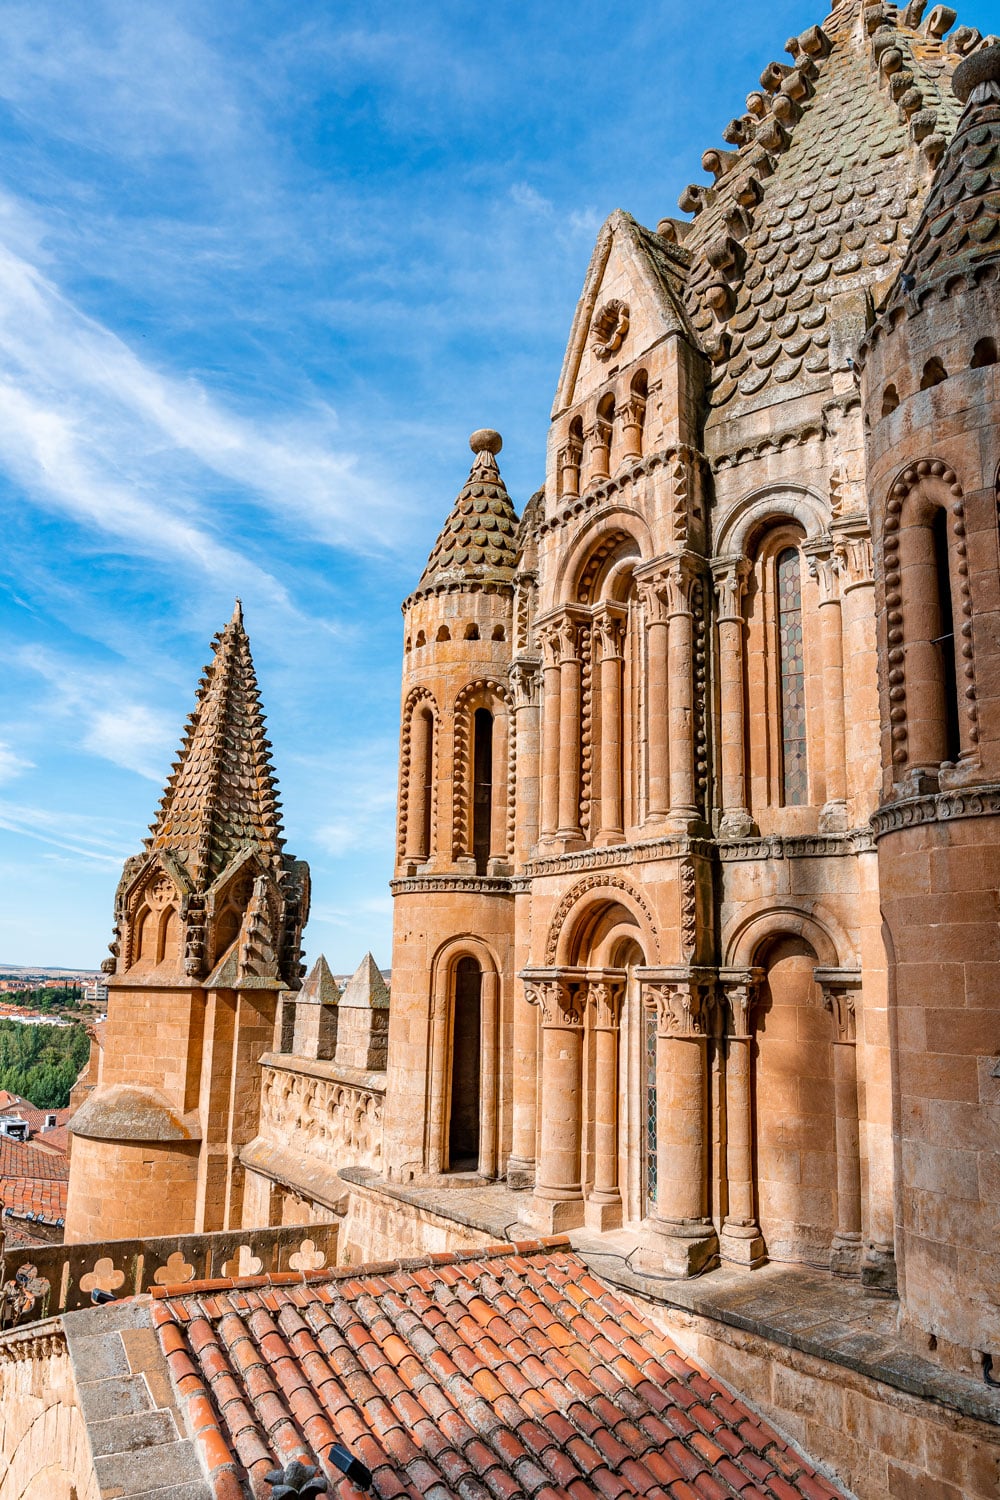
(398, 1365)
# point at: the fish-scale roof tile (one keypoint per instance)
(478, 542)
(836, 198)
(421, 1369)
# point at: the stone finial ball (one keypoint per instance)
(485, 440)
(979, 67)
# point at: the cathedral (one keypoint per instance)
(695, 981)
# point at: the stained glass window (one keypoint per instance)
(650, 1079)
(794, 779)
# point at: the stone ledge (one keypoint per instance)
(355, 1078)
(827, 1317)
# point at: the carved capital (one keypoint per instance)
(684, 1007)
(633, 411)
(606, 995)
(571, 454)
(730, 576)
(819, 561)
(524, 682)
(609, 631)
(561, 998)
(852, 556)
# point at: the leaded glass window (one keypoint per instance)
(649, 1071)
(794, 779)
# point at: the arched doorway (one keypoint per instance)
(794, 1116)
(466, 1068)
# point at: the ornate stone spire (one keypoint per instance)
(222, 795)
(478, 541)
(959, 228)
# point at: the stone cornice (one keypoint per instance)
(776, 846)
(981, 801)
(803, 432)
(482, 885)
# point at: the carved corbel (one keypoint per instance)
(839, 989)
(739, 991)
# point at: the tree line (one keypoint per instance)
(48, 997)
(41, 1063)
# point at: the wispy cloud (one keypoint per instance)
(11, 764)
(75, 833)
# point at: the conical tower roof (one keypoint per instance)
(959, 228)
(478, 541)
(222, 795)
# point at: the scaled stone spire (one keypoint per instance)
(959, 228)
(479, 540)
(222, 795)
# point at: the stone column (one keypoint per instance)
(683, 1239)
(838, 988)
(853, 562)
(740, 1240)
(570, 668)
(599, 450)
(609, 632)
(570, 456)
(489, 1068)
(524, 681)
(633, 415)
(730, 585)
(605, 994)
(551, 718)
(557, 1202)
(833, 816)
(657, 738)
(680, 688)
(418, 790)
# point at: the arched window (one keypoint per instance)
(499, 634)
(984, 354)
(791, 666)
(444, 634)
(934, 373)
(482, 789)
(472, 632)
(463, 1130)
(649, 1102)
(933, 719)
(420, 788)
(890, 400)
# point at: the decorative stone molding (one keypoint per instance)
(852, 554)
(525, 682)
(689, 461)
(327, 1119)
(791, 437)
(483, 691)
(981, 801)
(609, 328)
(910, 479)
(605, 996)
(480, 885)
(730, 575)
(582, 888)
(417, 697)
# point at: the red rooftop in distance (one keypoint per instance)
(506, 1373)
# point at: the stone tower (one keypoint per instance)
(932, 397)
(455, 849)
(208, 925)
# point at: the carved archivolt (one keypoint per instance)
(614, 886)
(910, 479)
(485, 693)
(418, 697)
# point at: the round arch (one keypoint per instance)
(746, 517)
(440, 1078)
(763, 920)
(618, 521)
(587, 914)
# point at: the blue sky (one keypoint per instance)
(262, 270)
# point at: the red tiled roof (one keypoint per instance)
(11, 1105)
(509, 1373)
(20, 1160)
(25, 1196)
(56, 1139)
